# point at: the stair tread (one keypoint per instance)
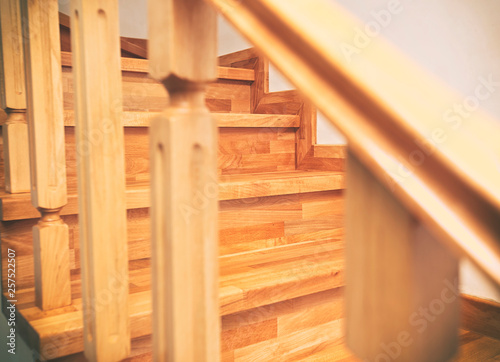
(142, 66)
(235, 120)
(231, 187)
(241, 186)
(248, 280)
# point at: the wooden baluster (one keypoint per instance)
(401, 284)
(95, 42)
(183, 150)
(47, 156)
(13, 99)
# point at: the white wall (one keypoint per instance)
(454, 39)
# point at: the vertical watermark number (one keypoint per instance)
(11, 293)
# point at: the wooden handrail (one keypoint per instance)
(398, 120)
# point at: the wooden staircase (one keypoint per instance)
(280, 221)
(126, 255)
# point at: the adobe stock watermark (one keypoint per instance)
(420, 321)
(453, 118)
(363, 37)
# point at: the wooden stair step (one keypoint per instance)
(231, 187)
(241, 186)
(225, 120)
(142, 66)
(248, 280)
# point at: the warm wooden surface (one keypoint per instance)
(387, 108)
(16, 155)
(282, 102)
(101, 178)
(324, 157)
(266, 222)
(141, 66)
(13, 99)
(248, 281)
(17, 207)
(401, 282)
(278, 183)
(45, 116)
(184, 194)
(306, 135)
(481, 316)
(141, 93)
(251, 59)
(47, 152)
(324, 345)
(12, 84)
(244, 225)
(224, 120)
(130, 47)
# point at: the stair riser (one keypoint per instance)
(265, 333)
(241, 150)
(141, 93)
(244, 225)
(288, 330)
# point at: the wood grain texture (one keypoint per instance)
(184, 192)
(481, 316)
(251, 59)
(241, 330)
(401, 283)
(306, 134)
(101, 179)
(13, 99)
(224, 120)
(278, 183)
(324, 158)
(232, 186)
(266, 222)
(51, 263)
(249, 281)
(47, 152)
(143, 94)
(44, 95)
(370, 96)
(244, 225)
(473, 347)
(256, 150)
(12, 84)
(283, 102)
(141, 66)
(16, 155)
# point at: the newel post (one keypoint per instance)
(47, 151)
(402, 299)
(95, 40)
(183, 150)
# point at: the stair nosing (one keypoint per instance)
(225, 120)
(142, 66)
(137, 195)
